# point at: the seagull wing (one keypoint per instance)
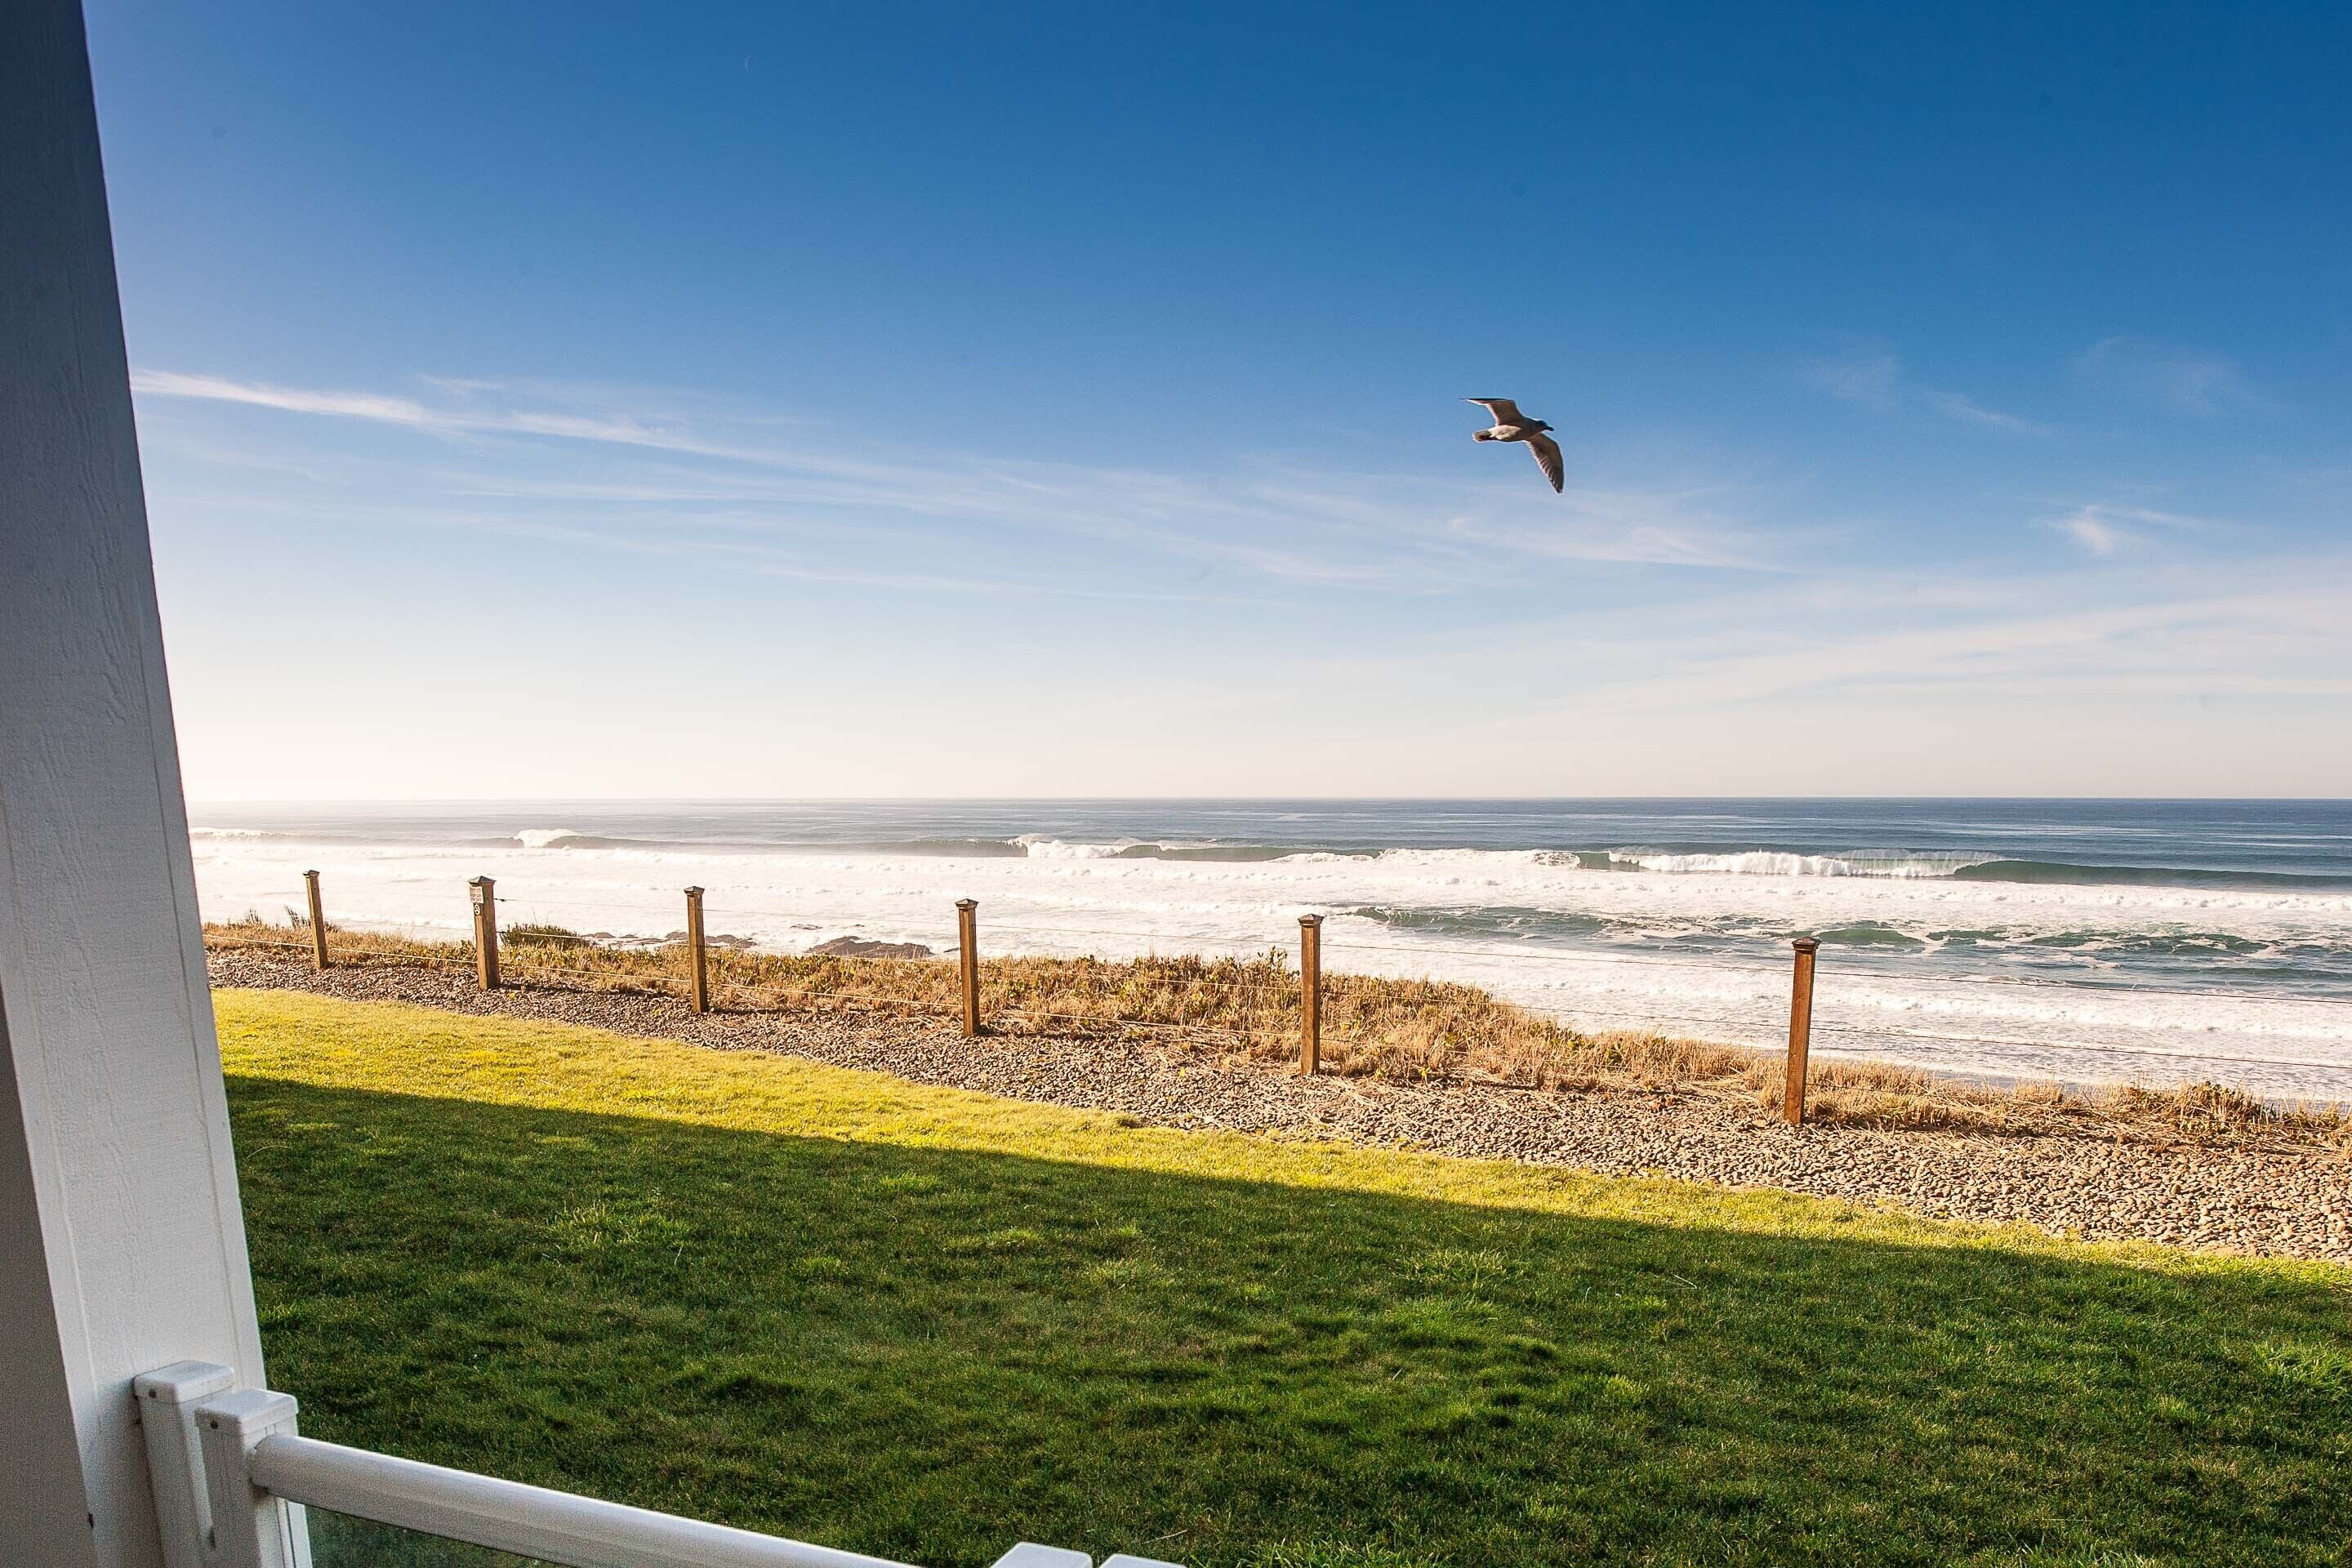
(1505, 411)
(1547, 451)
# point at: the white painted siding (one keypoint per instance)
(121, 1246)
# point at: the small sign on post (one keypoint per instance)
(968, 953)
(486, 930)
(700, 993)
(1800, 1030)
(1310, 993)
(318, 919)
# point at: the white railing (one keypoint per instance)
(231, 1476)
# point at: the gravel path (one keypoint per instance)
(2277, 1204)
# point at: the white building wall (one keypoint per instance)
(121, 1246)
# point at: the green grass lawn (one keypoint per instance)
(926, 1323)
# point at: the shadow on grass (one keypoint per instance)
(930, 1353)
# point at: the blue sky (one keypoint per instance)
(778, 401)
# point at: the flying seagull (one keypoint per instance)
(1510, 424)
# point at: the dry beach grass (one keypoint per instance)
(1395, 1030)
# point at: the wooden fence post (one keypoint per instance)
(486, 932)
(1800, 1030)
(1310, 993)
(318, 919)
(700, 997)
(968, 951)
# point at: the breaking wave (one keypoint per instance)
(1961, 867)
(1687, 860)
(1777, 863)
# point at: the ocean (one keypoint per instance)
(2086, 942)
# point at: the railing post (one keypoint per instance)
(968, 952)
(701, 990)
(1800, 1030)
(486, 932)
(1310, 993)
(251, 1527)
(318, 919)
(168, 1398)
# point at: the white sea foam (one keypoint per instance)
(1769, 863)
(1962, 984)
(1040, 847)
(543, 838)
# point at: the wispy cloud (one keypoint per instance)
(2263, 628)
(1877, 382)
(1952, 405)
(1873, 381)
(1689, 527)
(1655, 628)
(2104, 527)
(408, 412)
(2092, 531)
(676, 477)
(2176, 378)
